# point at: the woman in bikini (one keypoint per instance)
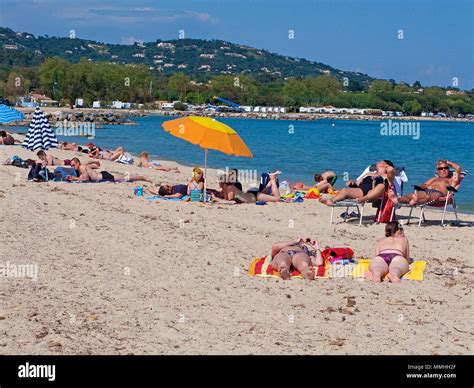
(303, 255)
(197, 181)
(392, 255)
(147, 163)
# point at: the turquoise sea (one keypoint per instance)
(301, 148)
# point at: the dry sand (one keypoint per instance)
(122, 275)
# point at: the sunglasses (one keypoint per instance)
(442, 168)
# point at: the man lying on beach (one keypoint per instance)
(86, 172)
(49, 160)
(392, 255)
(369, 188)
(266, 193)
(7, 139)
(303, 255)
(433, 188)
(73, 147)
(169, 191)
(147, 163)
(324, 181)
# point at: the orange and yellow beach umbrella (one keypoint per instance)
(209, 134)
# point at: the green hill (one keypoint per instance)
(201, 59)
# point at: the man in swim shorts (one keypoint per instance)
(433, 188)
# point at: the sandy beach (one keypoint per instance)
(118, 274)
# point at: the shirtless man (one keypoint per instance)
(370, 187)
(49, 160)
(88, 173)
(323, 181)
(433, 188)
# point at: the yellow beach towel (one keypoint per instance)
(417, 269)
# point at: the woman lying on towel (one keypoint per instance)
(87, 172)
(147, 163)
(267, 192)
(302, 255)
(392, 255)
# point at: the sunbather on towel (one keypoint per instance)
(98, 153)
(369, 188)
(302, 255)
(392, 255)
(50, 160)
(147, 163)
(267, 193)
(73, 147)
(88, 173)
(324, 181)
(433, 188)
(169, 191)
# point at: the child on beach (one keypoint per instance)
(303, 255)
(147, 163)
(392, 255)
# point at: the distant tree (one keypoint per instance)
(380, 87)
(412, 107)
(321, 88)
(178, 84)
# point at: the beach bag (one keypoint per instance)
(39, 173)
(336, 254)
(61, 173)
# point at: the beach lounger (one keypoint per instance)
(439, 203)
(400, 179)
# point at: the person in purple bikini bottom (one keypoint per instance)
(392, 255)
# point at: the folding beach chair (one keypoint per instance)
(400, 179)
(440, 202)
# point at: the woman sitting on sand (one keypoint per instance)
(268, 192)
(302, 255)
(197, 181)
(6, 138)
(392, 255)
(147, 163)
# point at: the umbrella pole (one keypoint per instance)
(204, 194)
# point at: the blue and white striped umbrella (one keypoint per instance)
(8, 114)
(40, 134)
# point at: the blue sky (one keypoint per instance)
(360, 35)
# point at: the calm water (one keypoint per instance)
(342, 146)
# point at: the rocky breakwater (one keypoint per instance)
(98, 117)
